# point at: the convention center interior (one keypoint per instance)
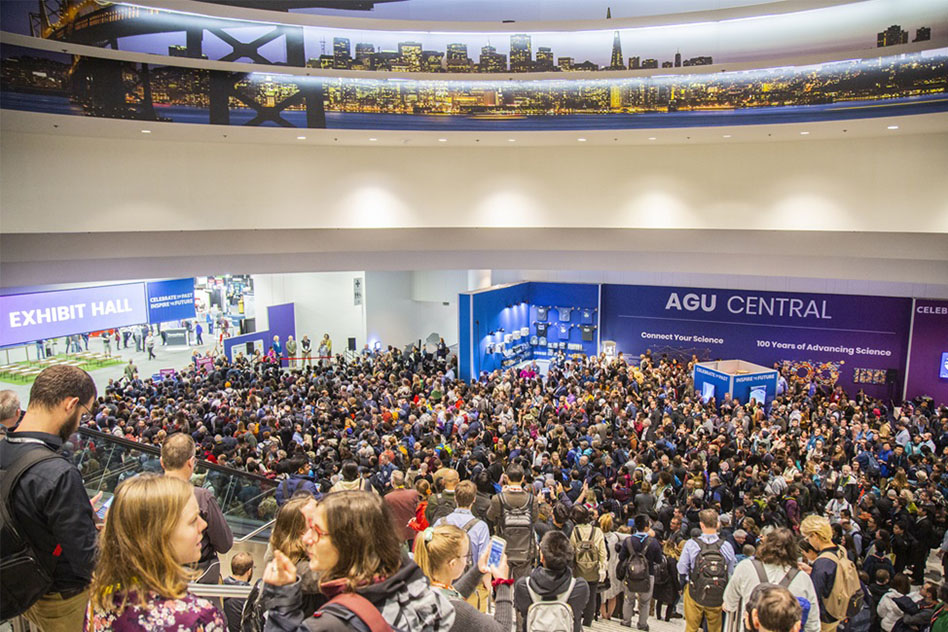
(474, 315)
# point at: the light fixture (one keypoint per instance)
(804, 133)
(300, 138)
(893, 127)
(582, 140)
(373, 140)
(511, 140)
(442, 140)
(651, 138)
(146, 131)
(727, 136)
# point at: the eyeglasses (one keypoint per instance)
(87, 416)
(319, 533)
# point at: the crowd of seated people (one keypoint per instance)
(616, 491)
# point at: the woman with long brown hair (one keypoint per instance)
(775, 561)
(140, 581)
(352, 545)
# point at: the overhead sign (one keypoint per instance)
(40, 315)
(856, 341)
(170, 300)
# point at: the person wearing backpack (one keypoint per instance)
(370, 585)
(706, 563)
(589, 543)
(48, 541)
(550, 599)
(513, 513)
(443, 503)
(640, 557)
(775, 562)
(834, 576)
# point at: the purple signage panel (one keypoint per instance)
(28, 317)
(854, 341)
(928, 372)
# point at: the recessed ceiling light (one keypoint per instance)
(804, 133)
(511, 140)
(442, 140)
(893, 127)
(582, 140)
(727, 136)
(300, 138)
(146, 131)
(651, 138)
(373, 139)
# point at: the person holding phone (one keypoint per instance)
(441, 552)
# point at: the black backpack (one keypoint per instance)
(637, 572)
(709, 574)
(24, 578)
(516, 526)
(439, 507)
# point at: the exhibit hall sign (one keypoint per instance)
(855, 341)
(40, 315)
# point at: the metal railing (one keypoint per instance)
(256, 531)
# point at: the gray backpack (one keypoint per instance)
(552, 614)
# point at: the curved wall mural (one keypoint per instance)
(859, 29)
(41, 81)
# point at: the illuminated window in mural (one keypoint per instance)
(43, 81)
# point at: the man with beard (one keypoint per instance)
(50, 506)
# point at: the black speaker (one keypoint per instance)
(891, 376)
(352, 344)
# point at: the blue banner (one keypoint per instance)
(854, 341)
(170, 300)
(41, 315)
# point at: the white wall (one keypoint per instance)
(891, 183)
(323, 304)
(393, 317)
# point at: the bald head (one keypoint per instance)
(177, 451)
(9, 408)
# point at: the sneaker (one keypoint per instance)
(626, 624)
(645, 629)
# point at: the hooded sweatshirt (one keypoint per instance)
(405, 600)
(548, 583)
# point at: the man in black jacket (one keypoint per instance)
(50, 505)
(552, 578)
(639, 542)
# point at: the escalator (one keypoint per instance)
(247, 500)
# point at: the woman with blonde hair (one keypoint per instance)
(613, 587)
(442, 553)
(357, 553)
(152, 533)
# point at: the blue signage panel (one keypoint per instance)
(832, 339)
(40, 315)
(170, 300)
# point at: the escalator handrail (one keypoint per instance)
(134, 445)
(256, 531)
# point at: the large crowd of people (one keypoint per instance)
(615, 491)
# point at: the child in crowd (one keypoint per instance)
(241, 570)
(747, 551)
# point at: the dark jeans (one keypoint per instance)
(590, 610)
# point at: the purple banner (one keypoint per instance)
(854, 341)
(29, 317)
(927, 370)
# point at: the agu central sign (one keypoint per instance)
(35, 316)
